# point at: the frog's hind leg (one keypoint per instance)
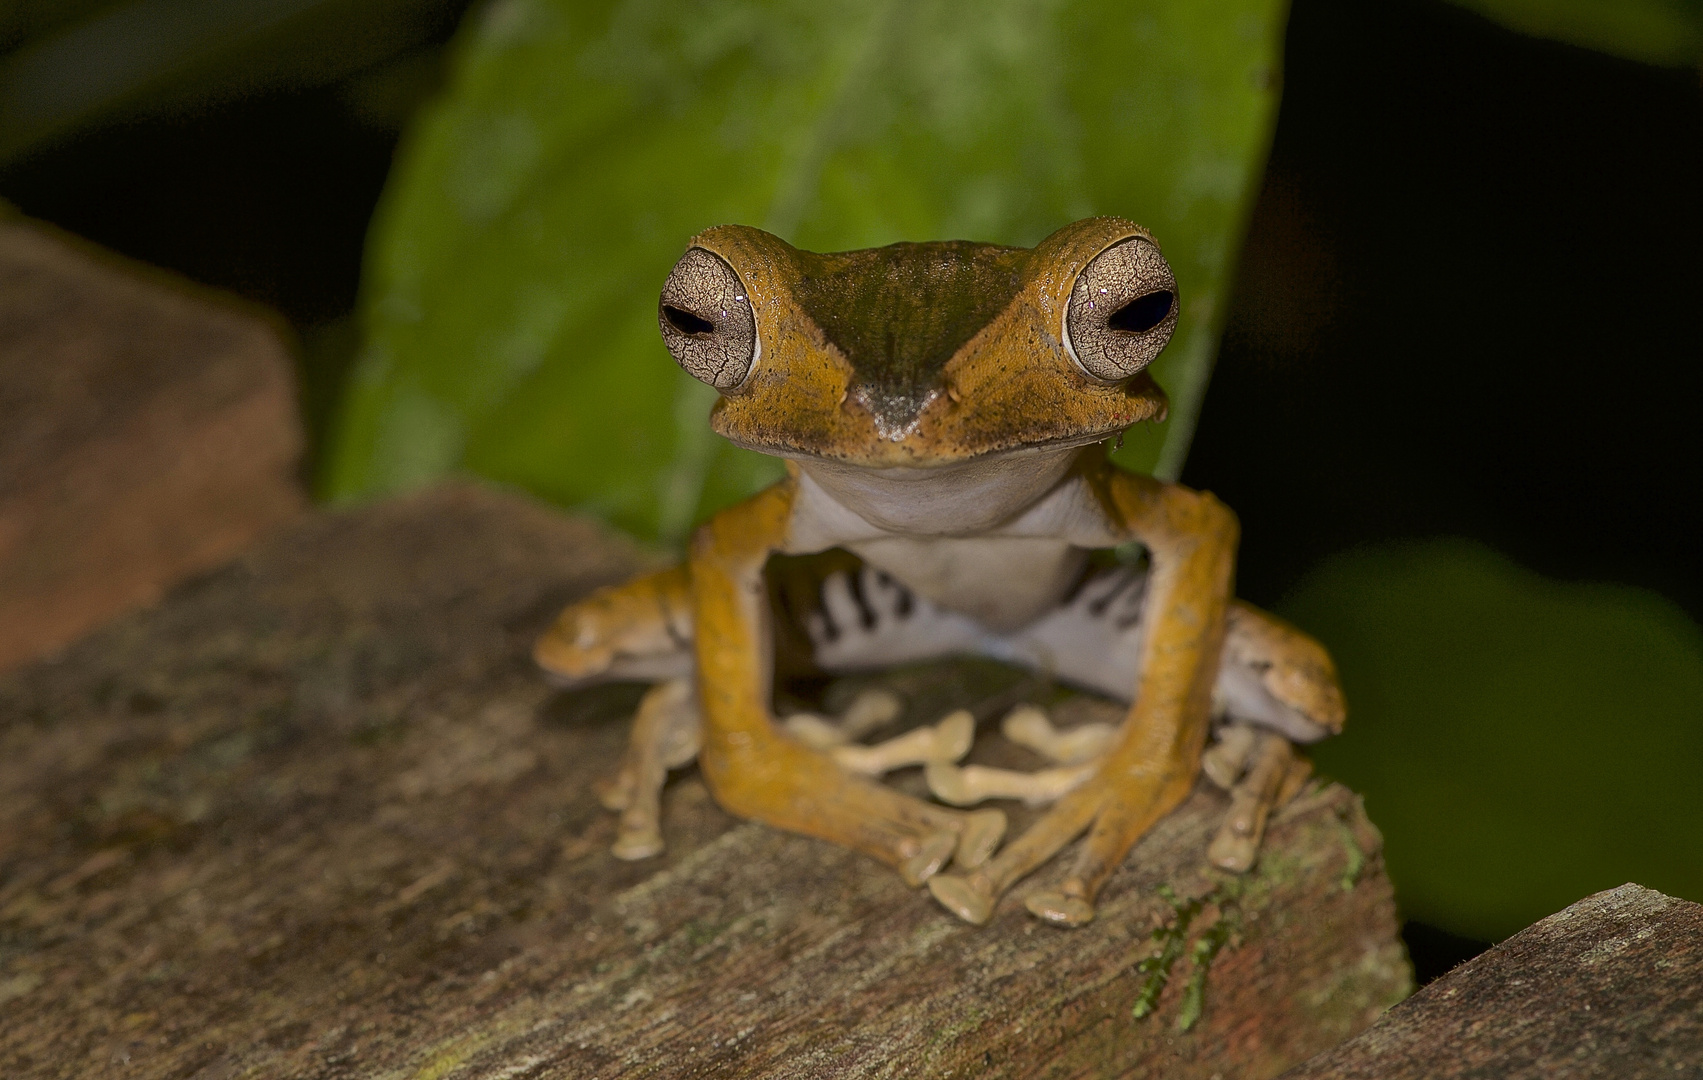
(1275, 687)
(1275, 676)
(641, 629)
(866, 620)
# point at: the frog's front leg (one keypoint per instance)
(665, 736)
(1276, 687)
(756, 772)
(1152, 762)
(641, 629)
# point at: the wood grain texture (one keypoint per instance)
(148, 432)
(317, 816)
(1612, 987)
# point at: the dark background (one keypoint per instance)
(1468, 302)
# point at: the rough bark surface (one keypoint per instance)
(147, 433)
(316, 816)
(1612, 987)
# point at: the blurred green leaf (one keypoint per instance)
(514, 266)
(1522, 742)
(1668, 33)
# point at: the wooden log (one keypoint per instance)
(148, 432)
(1611, 987)
(317, 816)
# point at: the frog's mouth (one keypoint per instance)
(1030, 412)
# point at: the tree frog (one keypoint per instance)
(944, 409)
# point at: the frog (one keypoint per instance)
(945, 412)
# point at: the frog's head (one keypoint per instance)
(924, 355)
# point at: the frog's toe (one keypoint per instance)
(616, 792)
(948, 740)
(963, 897)
(872, 708)
(1030, 726)
(930, 855)
(971, 784)
(948, 783)
(1274, 774)
(1231, 852)
(1226, 759)
(814, 731)
(633, 843)
(1059, 908)
(982, 832)
(954, 734)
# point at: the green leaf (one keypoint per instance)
(1668, 33)
(1522, 742)
(513, 269)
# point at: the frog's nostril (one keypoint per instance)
(1143, 313)
(688, 323)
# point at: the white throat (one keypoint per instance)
(962, 499)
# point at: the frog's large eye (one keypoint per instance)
(706, 320)
(1122, 310)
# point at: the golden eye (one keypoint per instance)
(1122, 310)
(706, 320)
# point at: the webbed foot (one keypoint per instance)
(946, 741)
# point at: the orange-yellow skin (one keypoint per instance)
(1010, 388)
(1006, 389)
(648, 616)
(756, 773)
(752, 770)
